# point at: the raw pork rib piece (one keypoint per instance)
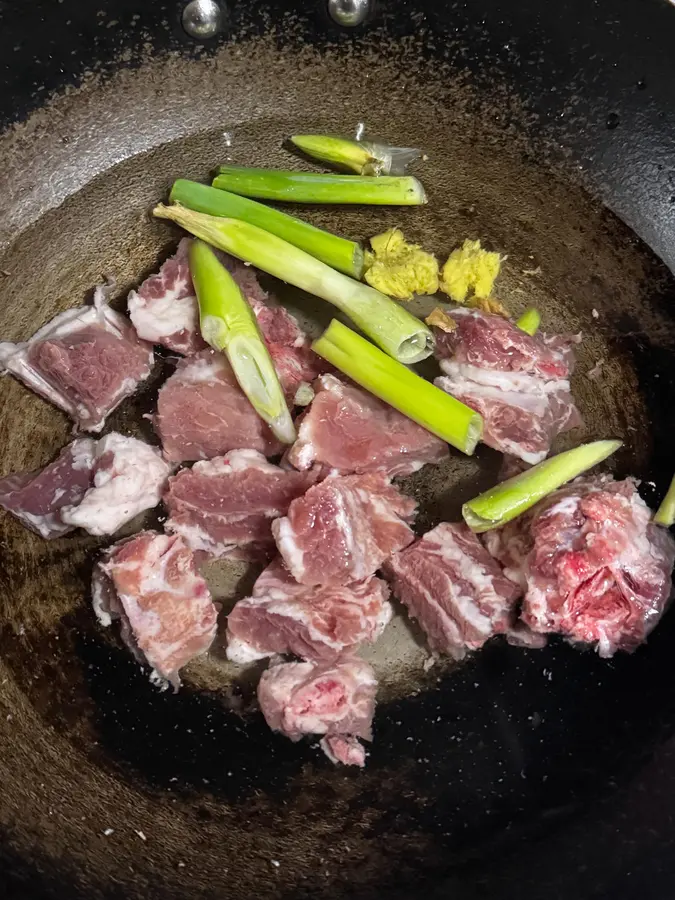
(315, 623)
(454, 588)
(230, 502)
(351, 431)
(151, 584)
(337, 701)
(36, 498)
(518, 383)
(343, 529)
(85, 361)
(202, 412)
(164, 309)
(129, 477)
(594, 567)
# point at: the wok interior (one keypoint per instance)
(507, 736)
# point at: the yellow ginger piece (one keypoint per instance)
(470, 269)
(400, 269)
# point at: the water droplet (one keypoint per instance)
(640, 84)
(612, 120)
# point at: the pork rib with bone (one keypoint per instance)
(519, 383)
(593, 566)
(335, 700)
(98, 486)
(349, 431)
(85, 361)
(151, 585)
(315, 623)
(164, 310)
(227, 504)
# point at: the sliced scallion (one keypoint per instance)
(513, 497)
(228, 324)
(361, 157)
(665, 514)
(530, 321)
(401, 388)
(394, 329)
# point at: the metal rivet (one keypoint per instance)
(202, 19)
(350, 12)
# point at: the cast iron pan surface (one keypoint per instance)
(516, 774)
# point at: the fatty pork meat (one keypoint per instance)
(164, 310)
(593, 566)
(85, 361)
(454, 588)
(95, 485)
(36, 498)
(335, 700)
(348, 430)
(519, 383)
(167, 617)
(315, 623)
(229, 502)
(343, 529)
(129, 477)
(202, 413)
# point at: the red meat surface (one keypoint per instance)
(36, 498)
(335, 700)
(151, 584)
(85, 361)
(315, 623)
(518, 383)
(593, 565)
(202, 412)
(349, 430)
(454, 588)
(343, 529)
(230, 502)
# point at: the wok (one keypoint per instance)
(515, 774)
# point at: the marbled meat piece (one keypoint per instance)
(349, 431)
(344, 528)
(335, 700)
(167, 617)
(36, 498)
(594, 567)
(85, 361)
(164, 309)
(519, 383)
(454, 588)
(129, 477)
(315, 623)
(229, 502)
(202, 412)
(344, 749)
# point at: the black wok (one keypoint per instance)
(516, 774)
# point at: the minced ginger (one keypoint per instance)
(400, 269)
(470, 269)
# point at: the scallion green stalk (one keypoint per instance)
(401, 388)
(513, 497)
(665, 514)
(394, 329)
(530, 321)
(304, 187)
(361, 157)
(339, 253)
(228, 324)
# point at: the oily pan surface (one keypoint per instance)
(202, 799)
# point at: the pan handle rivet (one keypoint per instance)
(202, 19)
(349, 12)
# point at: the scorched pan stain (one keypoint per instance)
(112, 789)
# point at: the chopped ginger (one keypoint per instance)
(489, 305)
(400, 269)
(470, 268)
(441, 319)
